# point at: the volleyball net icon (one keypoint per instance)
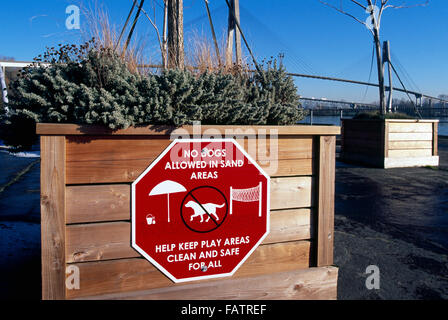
(246, 195)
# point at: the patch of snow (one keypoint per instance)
(28, 154)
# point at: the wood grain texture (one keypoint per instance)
(113, 148)
(112, 240)
(112, 202)
(411, 162)
(110, 148)
(94, 203)
(118, 159)
(325, 206)
(126, 171)
(307, 284)
(124, 275)
(412, 136)
(291, 192)
(435, 141)
(410, 127)
(412, 153)
(52, 204)
(385, 138)
(228, 130)
(407, 145)
(290, 225)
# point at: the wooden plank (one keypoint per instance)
(410, 127)
(385, 138)
(119, 171)
(400, 145)
(307, 284)
(94, 203)
(285, 147)
(285, 168)
(413, 153)
(112, 202)
(104, 241)
(413, 120)
(411, 162)
(134, 274)
(228, 130)
(111, 148)
(325, 209)
(423, 136)
(290, 225)
(117, 159)
(99, 241)
(291, 192)
(435, 138)
(126, 171)
(52, 204)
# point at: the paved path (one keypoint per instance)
(396, 219)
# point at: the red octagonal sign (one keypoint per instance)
(200, 209)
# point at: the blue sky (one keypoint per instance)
(313, 38)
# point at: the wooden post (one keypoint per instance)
(325, 201)
(385, 136)
(175, 34)
(435, 138)
(52, 203)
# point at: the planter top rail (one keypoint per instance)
(163, 130)
(396, 120)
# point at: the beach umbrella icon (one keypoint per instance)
(167, 187)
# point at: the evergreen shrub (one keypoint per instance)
(91, 85)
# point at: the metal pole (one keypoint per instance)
(386, 56)
(311, 117)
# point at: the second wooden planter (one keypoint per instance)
(390, 143)
(86, 173)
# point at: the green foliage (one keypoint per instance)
(93, 86)
(375, 115)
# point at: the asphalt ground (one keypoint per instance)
(394, 219)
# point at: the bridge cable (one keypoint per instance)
(407, 93)
(370, 72)
(125, 24)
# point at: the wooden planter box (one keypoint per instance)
(86, 172)
(391, 143)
